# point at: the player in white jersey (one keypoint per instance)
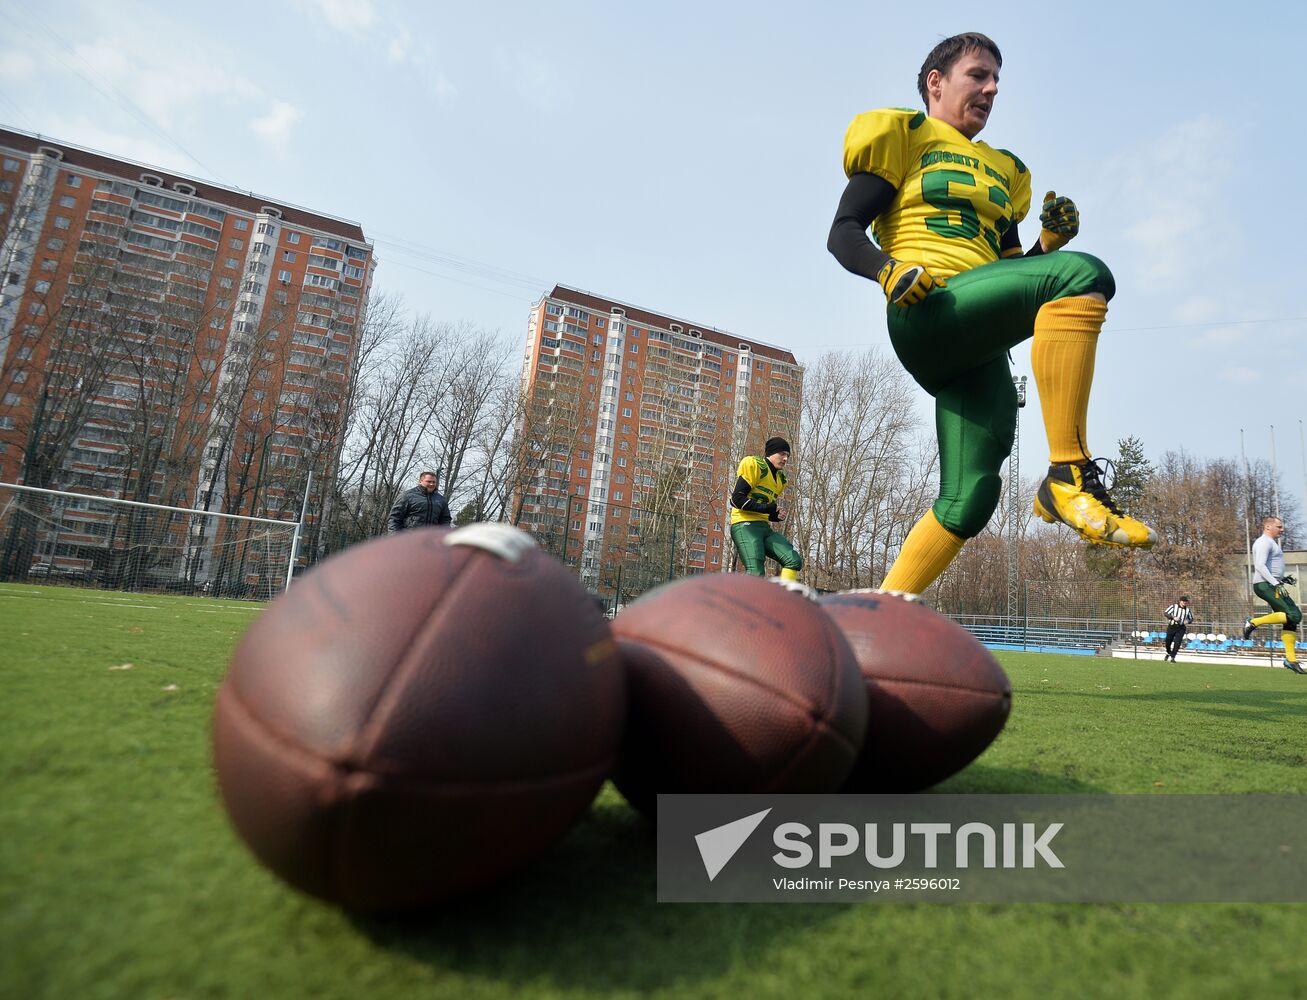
(1269, 584)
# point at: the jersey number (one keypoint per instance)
(935, 191)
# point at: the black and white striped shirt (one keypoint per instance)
(1178, 615)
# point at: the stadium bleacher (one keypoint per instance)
(1089, 640)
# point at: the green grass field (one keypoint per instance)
(119, 876)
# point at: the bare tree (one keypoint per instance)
(59, 366)
(863, 476)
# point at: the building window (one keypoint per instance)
(67, 201)
(11, 165)
(288, 256)
(283, 276)
(74, 181)
(232, 262)
(62, 222)
(241, 224)
(237, 244)
(41, 287)
(635, 348)
(292, 237)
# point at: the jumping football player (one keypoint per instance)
(1268, 584)
(944, 209)
(755, 505)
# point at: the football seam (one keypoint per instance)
(807, 709)
(364, 739)
(802, 753)
(346, 769)
(936, 684)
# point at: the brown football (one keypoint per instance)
(736, 684)
(936, 697)
(418, 716)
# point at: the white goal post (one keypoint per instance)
(52, 536)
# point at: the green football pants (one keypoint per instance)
(1282, 602)
(954, 343)
(755, 541)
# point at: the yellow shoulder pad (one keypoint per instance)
(877, 143)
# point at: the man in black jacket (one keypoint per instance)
(420, 506)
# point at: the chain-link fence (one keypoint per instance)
(1103, 612)
(618, 552)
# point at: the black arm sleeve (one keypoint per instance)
(865, 197)
(741, 500)
(1012, 241)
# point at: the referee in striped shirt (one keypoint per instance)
(1179, 616)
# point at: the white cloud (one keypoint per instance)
(1223, 336)
(1200, 309)
(16, 65)
(165, 82)
(1240, 375)
(536, 79)
(1174, 214)
(400, 46)
(351, 17)
(274, 128)
(440, 87)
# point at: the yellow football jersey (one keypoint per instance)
(765, 485)
(956, 196)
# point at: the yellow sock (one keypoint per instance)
(789, 574)
(1288, 640)
(1274, 618)
(1062, 356)
(926, 553)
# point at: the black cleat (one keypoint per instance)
(1293, 665)
(1248, 627)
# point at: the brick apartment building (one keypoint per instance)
(168, 340)
(635, 424)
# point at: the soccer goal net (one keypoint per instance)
(48, 536)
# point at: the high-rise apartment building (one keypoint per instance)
(166, 339)
(634, 424)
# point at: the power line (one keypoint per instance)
(122, 101)
(19, 110)
(444, 258)
(470, 284)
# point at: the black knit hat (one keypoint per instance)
(776, 444)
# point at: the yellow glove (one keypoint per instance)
(906, 284)
(1060, 221)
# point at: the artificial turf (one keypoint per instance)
(120, 877)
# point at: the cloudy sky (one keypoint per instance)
(685, 157)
